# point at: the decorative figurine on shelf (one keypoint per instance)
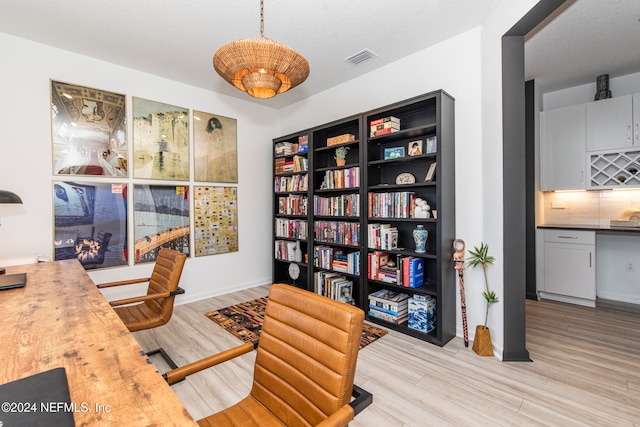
(420, 238)
(341, 155)
(421, 208)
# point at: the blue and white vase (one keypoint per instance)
(420, 237)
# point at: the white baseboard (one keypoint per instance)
(188, 297)
(567, 299)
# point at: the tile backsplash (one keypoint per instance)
(587, 207)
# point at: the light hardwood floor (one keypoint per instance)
(585, 371)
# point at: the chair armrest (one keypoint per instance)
(123, 282)
(175, 375)
(340, 418)
(140, 299)
(362, 399)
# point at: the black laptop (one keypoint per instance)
(40, 400)
(12, 281)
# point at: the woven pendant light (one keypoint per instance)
(260, 66)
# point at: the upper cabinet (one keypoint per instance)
(613, 123)
(563, 136)
(591, 146)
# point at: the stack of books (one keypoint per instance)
(384, 126)
(285, 148)
(303, 143)
(346, 262)
(390, 306)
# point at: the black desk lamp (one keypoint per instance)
(7, 197)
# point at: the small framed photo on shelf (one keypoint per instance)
(432, 145)
(415, 148)
(393, 153)
(431, 173)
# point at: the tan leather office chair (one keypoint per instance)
(156, 307)
(305, 365)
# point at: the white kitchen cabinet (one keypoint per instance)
(563, 148)
(613, 123)
(567, 266)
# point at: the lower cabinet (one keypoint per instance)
(567, 266)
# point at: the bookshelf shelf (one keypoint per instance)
(421, 138)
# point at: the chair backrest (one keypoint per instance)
(165, 278)
(306, 356)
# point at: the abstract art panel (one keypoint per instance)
(90, 223)
(216, 220)
(161, 214)
(89, 131)
(215, 148)
(160, 141)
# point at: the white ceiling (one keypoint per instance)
(177, 39)
(584, 39)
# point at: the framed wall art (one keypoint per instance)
(160, 141)
(89, 131)
(90, 223)
(215, 212)
(215, 148)
(161, 214)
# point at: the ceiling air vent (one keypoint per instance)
(361, 56)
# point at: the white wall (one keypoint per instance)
(26, 164)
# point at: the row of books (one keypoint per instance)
(291, 228)
(343, 233)
(343, 205)
(337, 260)
(384, 126)
(291, 183)
(287, 250)
(382, 236)
(334, 286)
(401, 270)
(291, 164)
(293, 204)
(390, 306)
(286, 148)
(341, 178)
(391, 205)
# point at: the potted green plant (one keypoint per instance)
(341, 155)
(480, 257)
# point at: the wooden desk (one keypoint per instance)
(59, 319)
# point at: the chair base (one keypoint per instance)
(362, 399)
(166, 357)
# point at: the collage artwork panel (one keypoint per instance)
(161, 214)
(89, 131)
(215, 148)
(89, 138)
(215, 220)
(90, 223)
(160, 141)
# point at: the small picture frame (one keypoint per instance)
(431, 173)
(415, 148)
(394, 153)
(432, 145)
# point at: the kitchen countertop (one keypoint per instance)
(604, 229)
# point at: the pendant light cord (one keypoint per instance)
(261, 18)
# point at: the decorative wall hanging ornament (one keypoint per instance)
(458, 259)
(260, 66)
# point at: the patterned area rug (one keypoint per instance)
(245, 322)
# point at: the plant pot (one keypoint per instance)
(482, 341)
(341, 162)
